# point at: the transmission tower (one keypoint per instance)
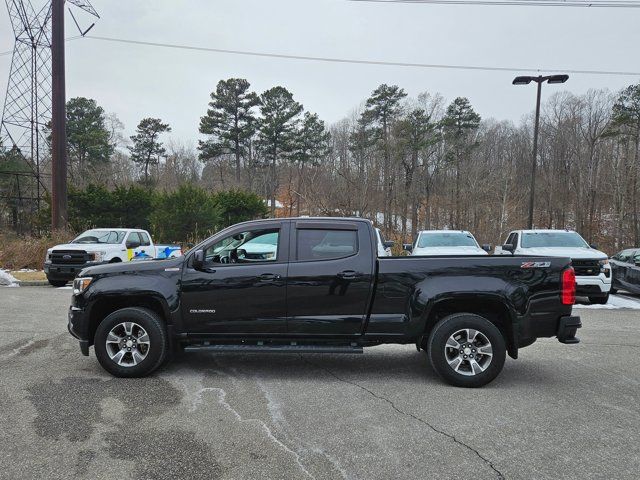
(27, 107)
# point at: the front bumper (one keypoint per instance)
(55, 271)
(593, 286)
(78, 326)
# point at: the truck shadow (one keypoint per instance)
(375, 365)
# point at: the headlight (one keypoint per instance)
(80, 284)
(605, 267)
(47, 258)
(97, 256)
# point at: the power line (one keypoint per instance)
(361, 62)
(9, 52)
(520, 3)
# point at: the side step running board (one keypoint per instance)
(274, 348)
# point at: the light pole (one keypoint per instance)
(525, 80)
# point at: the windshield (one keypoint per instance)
(553, 239)
(100, 236)
(446, 239)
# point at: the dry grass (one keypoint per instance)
(29, 276)
(28, 252)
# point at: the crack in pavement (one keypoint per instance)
(221, 398)
(610, 344)
(488, 462)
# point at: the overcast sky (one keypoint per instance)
(136, 81)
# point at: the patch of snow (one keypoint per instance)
(66, 287)
(616, 302)
(8, 280)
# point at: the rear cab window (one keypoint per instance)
(145, 241)
(325, 244)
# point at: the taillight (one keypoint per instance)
(568, 285)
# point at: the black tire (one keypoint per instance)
(449, 326)
(599, 300)
(57, 283)
(158, 341)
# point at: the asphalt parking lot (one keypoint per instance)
(560, 411)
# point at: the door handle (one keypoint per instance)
(269, 277)
(349, 275)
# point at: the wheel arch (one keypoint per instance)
(493, 309)
(107, 305)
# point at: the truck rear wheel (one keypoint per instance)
(131, 342)
(466, 350)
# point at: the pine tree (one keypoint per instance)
(417, 133)
(147, 149)
(459, 126)
(88, 139)
(309, 147)
(381, 110)
(277, 128)
(230, 121)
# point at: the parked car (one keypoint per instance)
(626, 271)
(446, 242)
(593, 272)
(102, 245)
(384, 246)
(320, 287)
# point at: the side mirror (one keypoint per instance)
(594, 246)
(198, 259)
(508, 247)
(388, 244)
(131, 244)
(407, 247)
(486, 247)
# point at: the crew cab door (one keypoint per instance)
(241, 288)
(330, 280)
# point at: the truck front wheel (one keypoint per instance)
(466, 350)
(57, 283)
(599, 300)
(131, 342)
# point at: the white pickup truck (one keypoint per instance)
(446, 242)
(102, 245)
(593, 272)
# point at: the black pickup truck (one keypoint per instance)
(317, 285)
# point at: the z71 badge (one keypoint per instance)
(535, 265)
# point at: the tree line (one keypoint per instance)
(406, 163)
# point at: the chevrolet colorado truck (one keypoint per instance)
(300, 285)
(102, 245)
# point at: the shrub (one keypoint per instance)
(18, 252)
(190, 210)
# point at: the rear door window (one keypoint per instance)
(144, 239)
(326, 244)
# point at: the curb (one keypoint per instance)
(33, 283)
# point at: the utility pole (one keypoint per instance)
(525, 80)
(58, 120)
